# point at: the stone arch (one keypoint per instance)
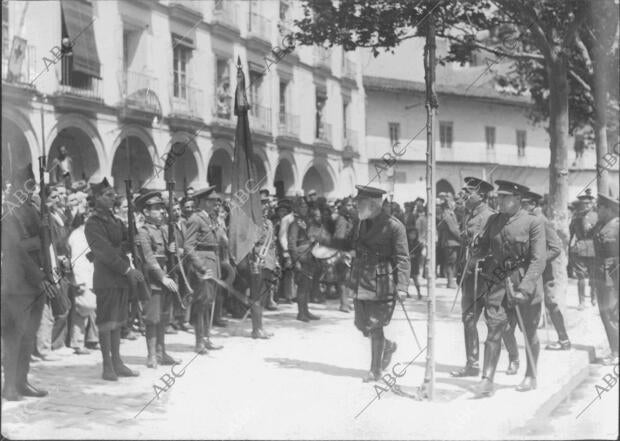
(81, 150)
(23, 130)
(139, 164)
(284, 177)
(319, 176)
(86, 126)
(187, 165)
(219, 170)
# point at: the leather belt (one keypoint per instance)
(206, 247)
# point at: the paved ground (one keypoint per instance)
(305, 383)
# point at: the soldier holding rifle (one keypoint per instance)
(514, 245)
(475, 195)
(113, 277)
(155, 243)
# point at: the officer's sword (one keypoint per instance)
(409, 321)
(528, 349)
(458, 290)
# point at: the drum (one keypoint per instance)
(327, 259)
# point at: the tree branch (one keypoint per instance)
(498, 52)
(573, 30)
(526, 14)
(583, 51)
(580, 80)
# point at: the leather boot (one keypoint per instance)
(581, 290)
(119, 367)
(513, 367)
(491, 356)
(528, 383)
(105, 343)
(151, 343)
(344, 298)
(388, 351)
(256, 316)
(199, 333)
(593, 295)
(374, 374)
(302, 305)
(450, 276)
(9, 393)
(28, 390)
(162, 356)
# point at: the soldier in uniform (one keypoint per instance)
(448, 234)
(24, 285)
(379, 273)
(201, 246)
(113, 275)
(154, 241)
(478, 212)
(582, 250)
(343, 241)
(606, 268)
(513, 242)
(263, 269)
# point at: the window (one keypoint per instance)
(521, 142)
(394, 129)
(180, 59)
(256, 80)
(345, 115)
(445, 134)
(222, 87)
(283, 90)
(320, 104)
(489, 136)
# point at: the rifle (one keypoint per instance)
(142, 290)
(173, 259)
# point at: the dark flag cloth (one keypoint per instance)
(246, 213)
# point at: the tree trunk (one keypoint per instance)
(558, 131)
(431, 106)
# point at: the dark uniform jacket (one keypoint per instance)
(473, 226)
(607, 246)
(202, 244)
(581, 227)
(554, 248)
(448, 231)
(299, 243)
(381, 266)
(267, 234)
(107, 238)
(153, 239)
(515, 248)
(343, 233)
(21, 251)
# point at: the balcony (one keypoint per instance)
(225, 18)
(322, 58)
(223, 107)
(259, 27)
(137, 92)
(260, 118)
(288, 125)
(324, 133)
(186, 104)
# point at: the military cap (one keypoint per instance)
(264, 195)
(186, 199)
(364, 191)
(512, 188)
(214, 195)
(99, 187)
(148, 199)
(22, 175)
(530, 196)
(606, 201)
(477, 185)
(203, 192)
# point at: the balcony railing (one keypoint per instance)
(324, 132)
(260, 118)
(28, 71)
(90, 91)
(350, 140)
(137, 90)
(260, 27)
(322, 57)
(185, 100)
(288, 125)
(349, 68)
(225, 12)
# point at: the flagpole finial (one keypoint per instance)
(238, 61)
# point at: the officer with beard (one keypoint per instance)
(380, 272)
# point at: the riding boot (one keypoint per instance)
(581, 290)
(199, 329)
(593, 295)
(256, 315)
(151, 343)
(378, 346)
(492, 348)
(106, 347)
(344, 298)
(450, 276)
(302, 302)
(558, 323)
(119, 367)
(162, 356)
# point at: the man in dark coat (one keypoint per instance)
(449, 240)
(343, 241)
(379, 273)
(581, 246)
(24, 286)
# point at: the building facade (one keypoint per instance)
(143, 79)
(480, 131)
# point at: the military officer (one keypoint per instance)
(343, 241)
(153, 240)
(263, 269)
(478, 212)
(113, 275)
(201, 246)
(24, 285)
(380, 272)
(514, 245)
(582, 250)
(605, 270)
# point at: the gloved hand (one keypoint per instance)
(49, 288)
(135, 276)
(520, 298)
(169, 284)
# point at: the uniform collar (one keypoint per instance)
(479, 208)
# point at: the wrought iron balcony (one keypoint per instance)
(186, 100)
(260, 118)
(138, 91)
(288, 125)
(259, 26)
